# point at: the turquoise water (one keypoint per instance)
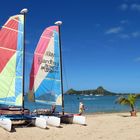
(92, 103)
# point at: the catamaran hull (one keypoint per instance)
(52, 120)
(68, 118)
(11, 111)
(40, 122)
(6, 124)
(79, 119)
(71, 118)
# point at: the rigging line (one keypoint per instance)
(65, 75)
(67, 85)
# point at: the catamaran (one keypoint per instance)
(12, 55)
(46, 80)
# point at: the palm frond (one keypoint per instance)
(122, 100)
(130, 100)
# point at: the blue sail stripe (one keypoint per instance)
(15, 86)
(50, 87)
(19, 61)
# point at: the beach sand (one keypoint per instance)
(110, 126)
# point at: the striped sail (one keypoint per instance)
(45, 79)
(11, 61)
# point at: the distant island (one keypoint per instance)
(99, 91)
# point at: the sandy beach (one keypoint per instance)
(112, 126)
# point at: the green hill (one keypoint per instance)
(99, 91)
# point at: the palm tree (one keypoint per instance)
(130, 100)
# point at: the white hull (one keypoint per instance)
(52, 120)
(40, 122)
(79, 120)
(6, 124)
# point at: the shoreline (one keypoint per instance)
(110, 112)
(98, 113)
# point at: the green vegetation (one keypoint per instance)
(99, 91)
(130, 100)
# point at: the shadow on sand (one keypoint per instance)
(124, 115)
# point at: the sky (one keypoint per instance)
(100, 40)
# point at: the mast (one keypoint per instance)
(23, 12)
(58, 23)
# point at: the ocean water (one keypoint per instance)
(92, 103)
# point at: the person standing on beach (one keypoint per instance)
(81, 108)
(53, 108)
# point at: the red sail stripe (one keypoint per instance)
(8, 40)
(41, 48)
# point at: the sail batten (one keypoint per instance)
(8, 49)
(12, 29)
(45, 82)
(48, 38)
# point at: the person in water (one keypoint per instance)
(81, 108)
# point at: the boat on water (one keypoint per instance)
(46, 77)
(99, 95)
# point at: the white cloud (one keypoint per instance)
(136, 34)
(137, 59)
(124, 21)
(124, 36)
(124, 7)
(114, 30)
(135, 7)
